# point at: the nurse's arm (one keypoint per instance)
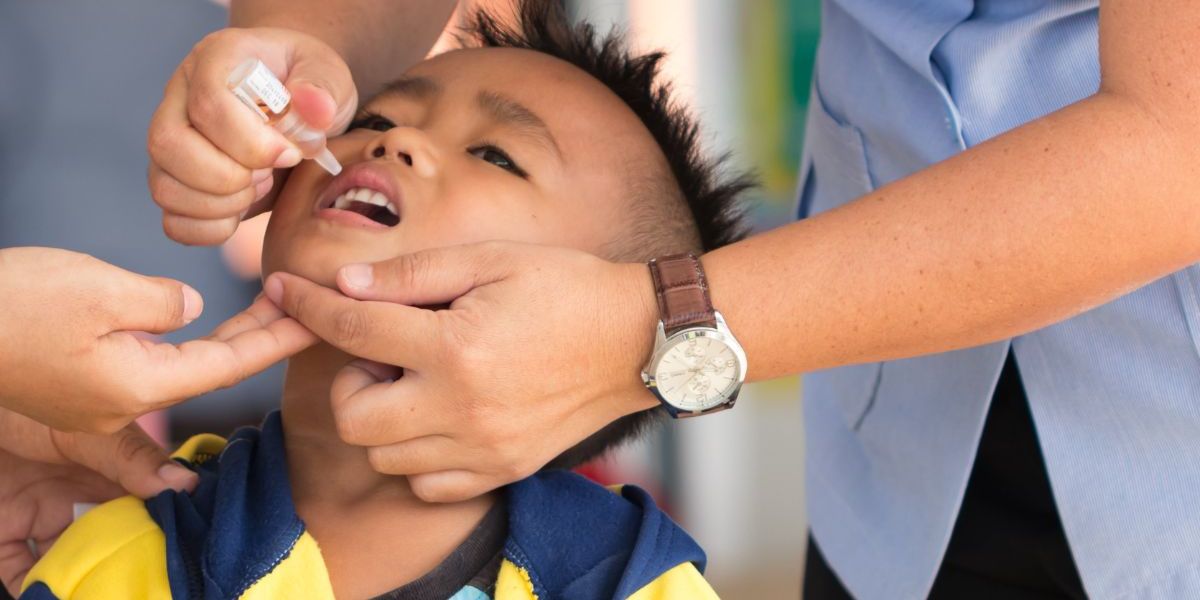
(378, 39)
(1035, 226)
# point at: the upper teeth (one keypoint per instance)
(366, 195)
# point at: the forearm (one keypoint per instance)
(1033, 227)
(378, 39)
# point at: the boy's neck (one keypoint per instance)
(320, 464)
(355, 513)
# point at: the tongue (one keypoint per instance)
(378, 214)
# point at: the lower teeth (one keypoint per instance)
(378, 214)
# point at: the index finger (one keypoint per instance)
(217, 114)
(245, 345)
(393, 334)
(185, 154)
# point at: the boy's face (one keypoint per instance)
(473, 145)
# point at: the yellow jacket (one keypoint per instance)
(238, 536)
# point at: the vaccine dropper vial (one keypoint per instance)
(258, 88)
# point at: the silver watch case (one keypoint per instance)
(662, 344)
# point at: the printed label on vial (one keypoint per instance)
(263, 83)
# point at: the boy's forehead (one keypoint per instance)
(553, 89)
(501, 66)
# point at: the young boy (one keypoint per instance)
(544, 134)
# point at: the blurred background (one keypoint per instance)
(80, 79)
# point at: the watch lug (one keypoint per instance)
(721, 326)
(660, 339)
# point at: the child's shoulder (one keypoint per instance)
(92, 557)
(573, 538)
(236, 532)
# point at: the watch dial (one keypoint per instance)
(697, 373)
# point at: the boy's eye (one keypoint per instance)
(371, 121)
(497, 157)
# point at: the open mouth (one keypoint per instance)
(364, 195)
(370, 204)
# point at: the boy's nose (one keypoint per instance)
(407, 145)
(380, 151)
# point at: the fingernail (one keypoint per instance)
(358, 276)
(290, 158)
(257, 176)
(273, 288)
(262, 187)
(193, 304)
(177, 477)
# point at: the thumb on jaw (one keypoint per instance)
(429, 277)
(129, 458)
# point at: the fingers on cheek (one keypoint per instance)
(199, 231)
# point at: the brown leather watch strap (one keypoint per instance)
(682, 291)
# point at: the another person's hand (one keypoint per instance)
(211, 159)
(46, 472)
(540, 348)
(73, 356)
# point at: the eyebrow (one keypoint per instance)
(500, 108)
(412, 87)
(509, 112)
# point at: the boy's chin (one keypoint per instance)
(325, 278)
(316, 261)
(321, 269)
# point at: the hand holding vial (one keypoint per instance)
(258, 88)
(211, 160)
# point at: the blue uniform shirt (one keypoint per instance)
(1114, 392)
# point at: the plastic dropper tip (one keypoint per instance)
(328, 162)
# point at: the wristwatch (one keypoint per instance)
(697, 367)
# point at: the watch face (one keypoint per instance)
(698, 371)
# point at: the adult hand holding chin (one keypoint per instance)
(539, 348)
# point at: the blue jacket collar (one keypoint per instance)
(238, 524)
(578, 540)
